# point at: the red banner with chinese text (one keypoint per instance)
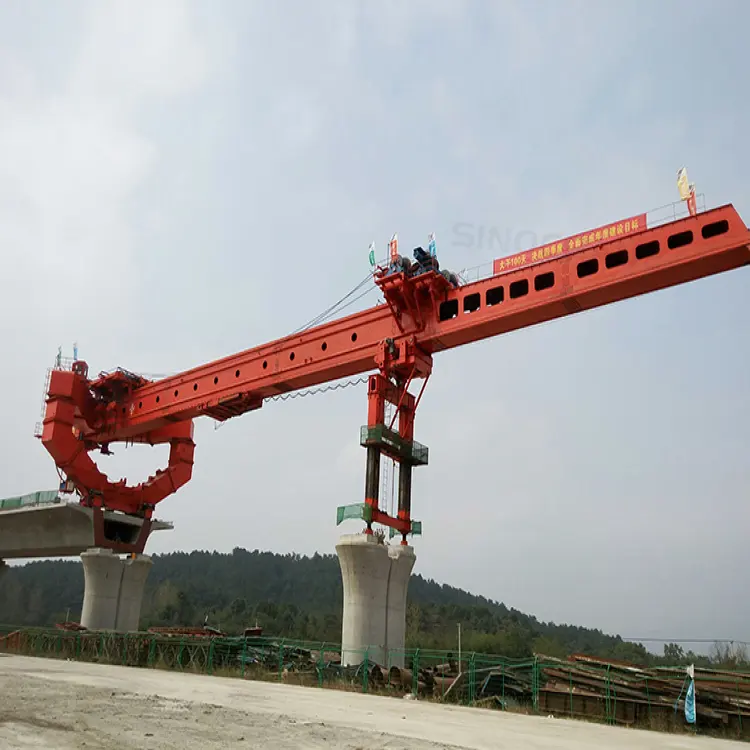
(597, 236)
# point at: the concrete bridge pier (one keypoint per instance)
(113, 590)
(375, 578)
(135, 571)
(3, 568)
(365, 566)
(402, 562)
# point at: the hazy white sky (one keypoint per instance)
(181, 180)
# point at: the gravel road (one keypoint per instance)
(48, 704)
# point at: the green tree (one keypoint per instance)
(296, 596)
(544, 645)
(673, 653)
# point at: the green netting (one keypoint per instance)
(42, 497)
(360, 511)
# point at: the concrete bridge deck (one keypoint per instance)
(61, 530)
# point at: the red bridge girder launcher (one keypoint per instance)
(426, 311)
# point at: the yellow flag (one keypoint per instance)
(682, 184)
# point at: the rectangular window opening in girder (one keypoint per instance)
(544, 281)
(448, 310)
(617, 258)
(647, 250)
(679, 240)
(519, 288)
(587, 268)
(472, 302)
(714, 229)
(495, 296)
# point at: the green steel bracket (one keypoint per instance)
(360, 511)
(416, 530)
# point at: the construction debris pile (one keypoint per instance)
(632, 694)
(581, 686)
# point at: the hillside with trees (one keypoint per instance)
(293, 596)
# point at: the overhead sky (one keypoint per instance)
(182, 180)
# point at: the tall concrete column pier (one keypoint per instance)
(102, 574)
(113, 590)
(402, 562)
(3, 568)
(365, 567)
(375, 578)
(135, 571)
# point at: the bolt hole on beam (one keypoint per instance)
(265, 364)
(176, 393)
(519, 288)
(448, 309)
(324, 346)
(587, 268)
(647, 250)
(354, 337)
(291, 356)
(195, 386)
(158, 398)
(236, 373)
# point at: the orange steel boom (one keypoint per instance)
(422, 315)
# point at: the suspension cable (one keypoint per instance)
(333, 308)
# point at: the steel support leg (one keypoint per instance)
(372, 479)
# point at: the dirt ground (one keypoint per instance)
(73, 706)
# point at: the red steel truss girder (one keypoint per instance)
(605, 273)
(354, 344)
(340, 349)
(677, 252)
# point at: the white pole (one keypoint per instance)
(459, 647)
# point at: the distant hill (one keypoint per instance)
(297, 597)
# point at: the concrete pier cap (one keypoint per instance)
(375, 579)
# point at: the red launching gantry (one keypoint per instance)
(426, 311)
